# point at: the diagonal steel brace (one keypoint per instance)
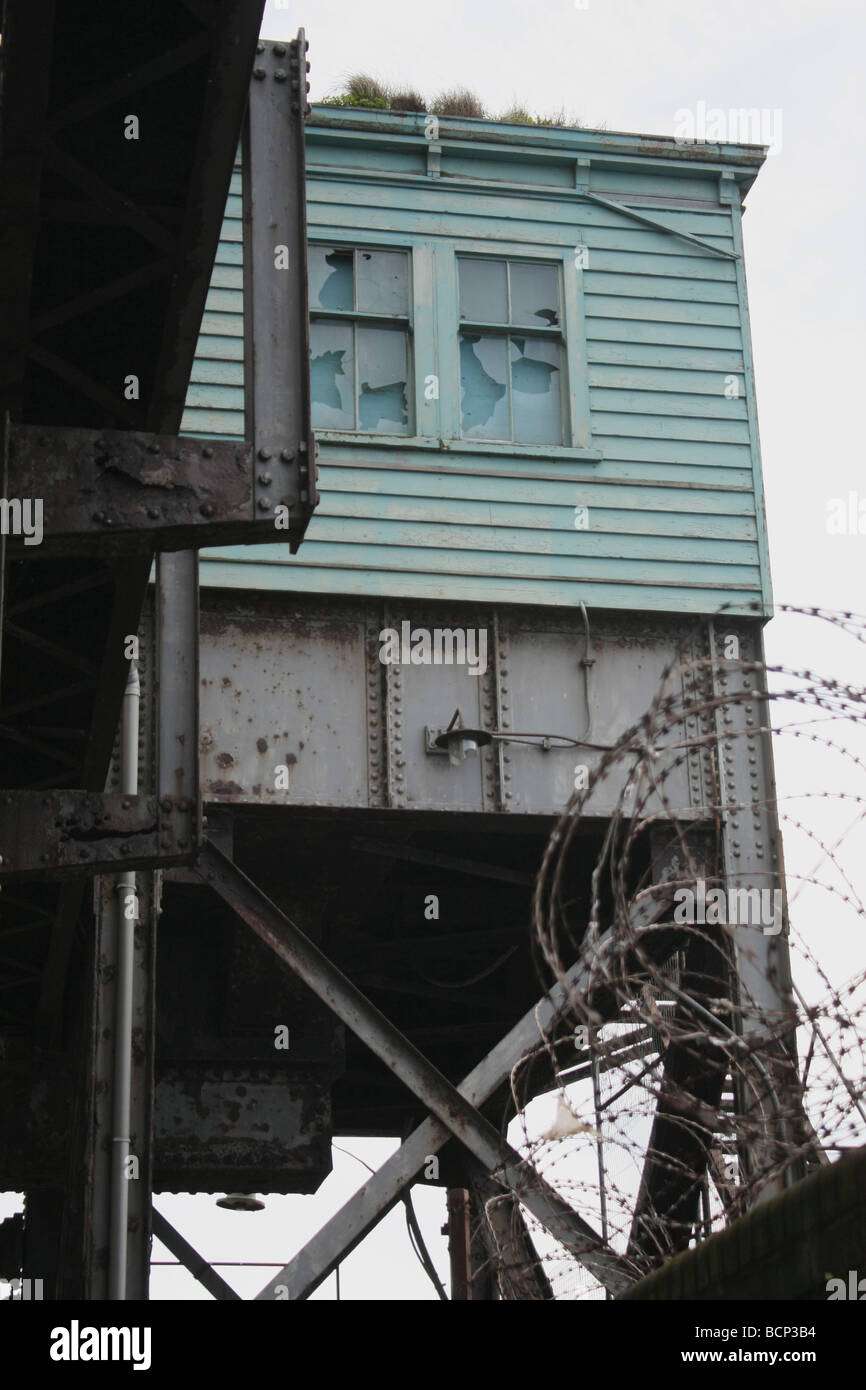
(448, 1104)
(348, 1227)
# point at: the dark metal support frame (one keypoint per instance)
(453, 1110)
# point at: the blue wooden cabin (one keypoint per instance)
(531, 369)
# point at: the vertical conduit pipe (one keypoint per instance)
(124, 909)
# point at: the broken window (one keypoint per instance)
(511, 350)
(359, 339)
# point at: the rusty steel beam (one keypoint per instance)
(190, 1258)
(277, 327)
(74, 834)
(121, 492)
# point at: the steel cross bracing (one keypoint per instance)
(453, 1110)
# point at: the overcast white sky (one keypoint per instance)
(631, 65)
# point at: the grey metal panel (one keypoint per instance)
(544, 691)
(296, 680)
(284, 692)
(218, 1128)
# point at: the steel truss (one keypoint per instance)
(454, 1112)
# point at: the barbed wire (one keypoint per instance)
(698, 1063)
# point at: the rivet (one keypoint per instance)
(279, 75)
(207, 509)
(264, 504)
(154, 449)
(259, 74)
(280, 49)
(264, 455)
(286, 456)
(265, 479)
(99, 516)
(207, 452)
(153, 513)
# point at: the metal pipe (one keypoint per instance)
(125, 912)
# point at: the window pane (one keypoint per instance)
(484, 400)
(534, 295)
(483, 293)
(382, 282)
(382, 376)
(330, 278)
(332, 376)
(535, 384)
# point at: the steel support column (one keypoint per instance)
(102, 1132)
(459, 1242)
(277, 334)
(752, 861)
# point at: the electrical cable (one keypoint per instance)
(420, 1248)
(473, 979)
(415, 1236)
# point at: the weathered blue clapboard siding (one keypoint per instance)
(657, 322)
(215, 399)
